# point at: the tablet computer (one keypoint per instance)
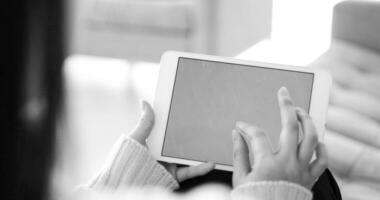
(199, 98)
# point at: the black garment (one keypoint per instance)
(325, 188)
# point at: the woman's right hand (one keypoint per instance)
(291, 161)
(142, 132)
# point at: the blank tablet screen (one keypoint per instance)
(209, 97)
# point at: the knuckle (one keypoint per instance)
(236, 154)
(286, 101)
(250, 129)
(291, 124)
(292, 160)
(261, 158)
(324, 163)
(259, 133)
(313, 137)
(291, 171)
(304, 115)
(305, 118)
(143, 119)
(147, 121)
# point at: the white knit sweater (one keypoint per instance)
(132, 165)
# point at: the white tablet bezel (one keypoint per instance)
(168, 68)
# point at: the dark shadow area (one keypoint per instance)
(31, 86)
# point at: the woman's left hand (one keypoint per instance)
(141, 133)
(255, 160)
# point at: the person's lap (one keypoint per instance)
(325, 188)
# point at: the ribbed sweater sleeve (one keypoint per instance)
(131, 164)
(271, 190)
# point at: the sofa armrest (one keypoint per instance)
(358, 22)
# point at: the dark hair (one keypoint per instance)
(31, 83)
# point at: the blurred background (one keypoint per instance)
(111, 62)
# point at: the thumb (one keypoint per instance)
(186, 173)
(145, 124)
(241, 162)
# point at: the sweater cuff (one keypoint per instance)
(271, 190)
(131, 164)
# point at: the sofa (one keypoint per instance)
(353, 119)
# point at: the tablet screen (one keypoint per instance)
(209, 97)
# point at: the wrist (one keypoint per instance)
(131, 164)
(271, 190)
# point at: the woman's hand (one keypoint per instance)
(254, 159)
(141, 133)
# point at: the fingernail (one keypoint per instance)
(240, 124)
(283, 91)
(143, 105)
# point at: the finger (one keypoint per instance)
(310, 139)
(240, 157)
(185, 173)
(257, 139)
(319, 165)
(170, 167)
(145, 124)
(290, 131)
